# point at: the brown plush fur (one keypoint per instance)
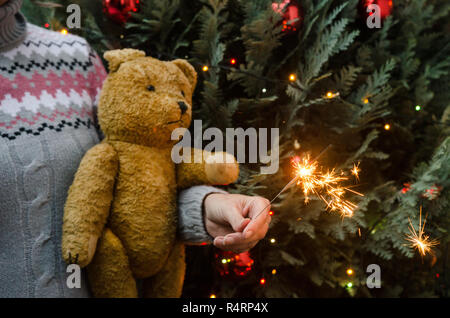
(120, 217)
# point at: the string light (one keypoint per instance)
(212, 296)
(270, 213)
(224, 261)
(46, 25)
(262, 281)
(349, 285)
(366, 101)
(349, 271)
(330, 95)
(205, 68)
(273, 241)
(274, 271)
(387, 127)
(64, 31)
(264, 90)
(292, 77)
(418, 108)
(233, 61)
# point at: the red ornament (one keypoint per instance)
(406, 188)
(119, 10)
(229, 262)
(432, 193)
(385, 7)
(291, 13)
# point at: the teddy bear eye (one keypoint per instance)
(182, 93)
(151, 88)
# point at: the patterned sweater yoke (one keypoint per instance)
(49, 82)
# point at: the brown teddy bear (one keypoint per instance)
(120, 217)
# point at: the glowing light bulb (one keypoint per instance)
(64, 31)
(274, 271)
(387, 127)
(46, 25)
(212, 296)
(270, 213)
(272, 240)
(330, 94)
(262, 281)
(292, 77)
(205, 68)
(349, 271)
(233, 61)
(264, 90)
(224, 261)
(418, 108)
(349, 285)
(366, 101)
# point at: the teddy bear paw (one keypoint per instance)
(221, 168)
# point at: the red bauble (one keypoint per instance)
(232, 263)
(385, 6)
(291, 12)
(119, 10)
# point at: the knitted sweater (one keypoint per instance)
(49, 85)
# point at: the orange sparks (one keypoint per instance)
(326, 186)
(418, 240)
(355, 171)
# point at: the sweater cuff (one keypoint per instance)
(191, 224)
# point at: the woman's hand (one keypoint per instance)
(233, 220)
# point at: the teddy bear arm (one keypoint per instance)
(88, 203)
(219, 168)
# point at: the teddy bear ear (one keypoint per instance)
(188, 70)
(117, 57)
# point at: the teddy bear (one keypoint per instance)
(120, 216)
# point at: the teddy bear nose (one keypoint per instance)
(183, 107)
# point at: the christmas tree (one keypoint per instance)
(376, 98)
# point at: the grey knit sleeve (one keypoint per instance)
(191, 225)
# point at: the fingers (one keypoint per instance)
(237, 242)
(260, 219)
(234, 242)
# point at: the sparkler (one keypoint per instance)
(327, 186)
(418, 240)
(355, 171)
